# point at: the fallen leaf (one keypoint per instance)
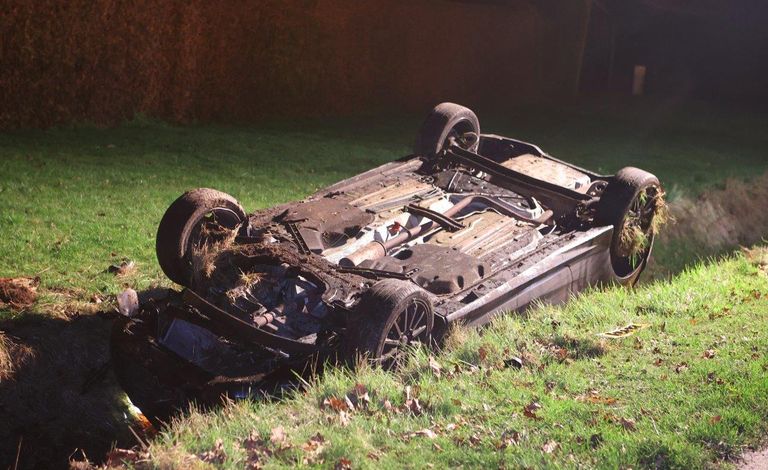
(344, 418)
(434, 366)
(625, 331)
(549, 447)
(515, 362)
(277, 436)
(120, 457)
(682, 367)
(657, 362)
(348, 402)
(715, 419)
(530, 410)
(709, 354)
(594, 397)
(215, 455)
(312, 448)
(482, 353)
(561, 354)
(428, 433)
(509, 438)
(595, 440)
(314, 443)
(335, 404)
(360, 397)
(414, 406)
(123, 269)
(628, 424)
(343, 464)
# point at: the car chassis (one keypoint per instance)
(469, 226)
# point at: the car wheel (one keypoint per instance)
(392, 316)
(446, 122)
(193, 219)
(630, 204)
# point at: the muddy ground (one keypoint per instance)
(59, 398)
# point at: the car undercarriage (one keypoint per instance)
(470, 226)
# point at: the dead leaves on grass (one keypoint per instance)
(215, 456)
(549, 447)
(125, 268)
(529, 410)
(624, 331)
(593, 396)
(434, 366)
(359, 400)
(709, 354)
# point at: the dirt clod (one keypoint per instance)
(18, 292)
(128, 302)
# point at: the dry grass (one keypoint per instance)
(633, 239)
(13, 356)
(728, 217)
(205, 256)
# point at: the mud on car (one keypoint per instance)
(469, 226)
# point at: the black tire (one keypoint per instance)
(180, 228)
(447, 120)
(390, 308)
(626, 191)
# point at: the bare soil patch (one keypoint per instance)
(18, 292)
(755, 460)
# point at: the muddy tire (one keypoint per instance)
(392, 316)
(181, 228)
(629, 195)
(446, 121)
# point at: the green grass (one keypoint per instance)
(649, 400)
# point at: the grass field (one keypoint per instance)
(74, 201)
(689, 391)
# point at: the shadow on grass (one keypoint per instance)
(579, 348)
(61, 398)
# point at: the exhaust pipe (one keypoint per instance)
(376, 250)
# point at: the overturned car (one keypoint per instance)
(469, 226)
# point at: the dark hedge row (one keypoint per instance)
(103, 61)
